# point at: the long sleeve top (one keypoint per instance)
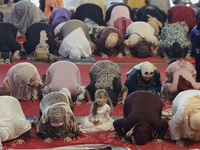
(144, 107)
(102, 36)
(176, 124)
(134, 80)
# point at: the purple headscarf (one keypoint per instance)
(59, 15)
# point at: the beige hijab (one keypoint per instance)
(192, 118)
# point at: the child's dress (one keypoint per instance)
(103, 114)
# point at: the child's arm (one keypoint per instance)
(91, 116)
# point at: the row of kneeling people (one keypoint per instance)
(138, 37)
(61, 89)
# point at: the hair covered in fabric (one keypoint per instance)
(52, 98)
(192, 114)
(57, 115)
(20, 8)
(112, 39)
(142, 133)
(195, 120)
(147, 69)
(56, 111)
(24, 75)
(23, 14)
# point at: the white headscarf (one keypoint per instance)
(147, 69)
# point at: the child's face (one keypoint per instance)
(100, 99)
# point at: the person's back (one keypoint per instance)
(162, 4)
(8, 41)
(33, 37)
(180, 13)
(63, 74)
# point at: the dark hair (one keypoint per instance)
(103, 93)
(142, 133)
(142, 49)
(175, 51)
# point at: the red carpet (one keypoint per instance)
(84, 69)
(132, 59)
(31, 108)
(99, 138)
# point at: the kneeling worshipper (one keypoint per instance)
(92, 15)
(174, 43)
(142, 120)
(13, 124)
(71, 25)
(59, 16)
(34, 37)
(144, 76)
(106, 74)
(100, 3)
(140, 39)
(119, 14)
(57, 119)
(179, 13)
(152, 15)
(8, 43)
(185, 121)
(110, 42)
(180, 76)
(22, 81)
(89, 13)
(64, 74)
(23, 14)
(75, 45)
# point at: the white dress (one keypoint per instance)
(103, 114)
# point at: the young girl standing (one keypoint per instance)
(99, 119)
